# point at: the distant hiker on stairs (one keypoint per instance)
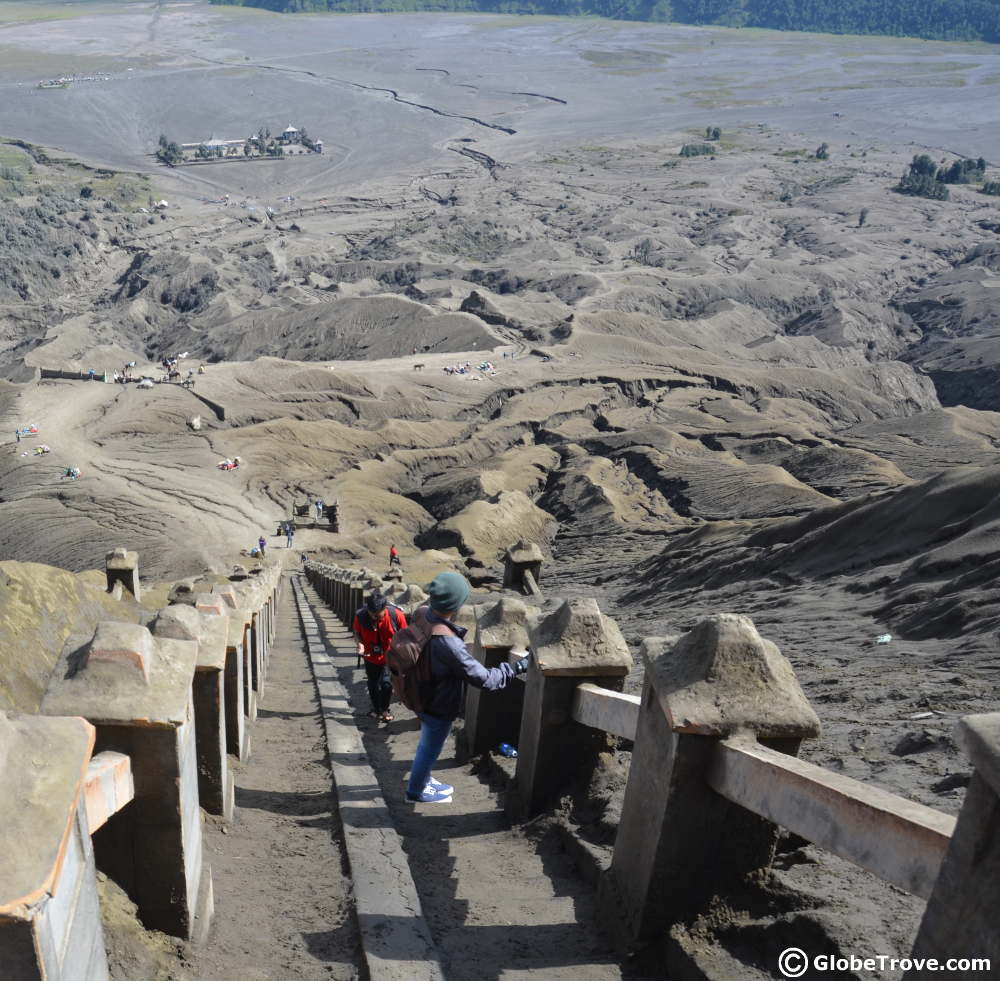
(374, 626)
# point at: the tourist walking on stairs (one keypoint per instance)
(374, 626)
(451, 668)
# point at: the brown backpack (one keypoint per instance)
(410, 664)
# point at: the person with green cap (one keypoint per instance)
(452, 667)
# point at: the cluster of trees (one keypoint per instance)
(954, 20)
(921, 180)
(169, 152)
(926, 179)
(264, 144)
(992, 187)
(713, 133)
(696, 149)
(963, 172)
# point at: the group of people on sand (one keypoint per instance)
(451, 668)
(465, 368)
(228, 464)
(125, 375)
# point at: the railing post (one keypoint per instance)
(495, 718)
(50, 923)
(522, 568)
(962, 919)
(412, 598)
(122, 566)
(137, 691)
(572, 644)
(679, 843)
(215, 782)
(235, 688)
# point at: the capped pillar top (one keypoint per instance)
(228, 592)
(43, 762)
(124, 676)
(183, 592)
(211, 604)
(980, 738)
(577, 639)
(182, 622)
(120, 558)
(123, 647)
(524, 553)
(179, 621)
(413, 596)
(505, 623)
(722, 677)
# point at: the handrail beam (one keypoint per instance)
(899, 840)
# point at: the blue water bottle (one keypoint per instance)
(507, 750)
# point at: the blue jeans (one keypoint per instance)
(433, 733)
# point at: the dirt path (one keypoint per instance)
(282, 902)
(499, 906)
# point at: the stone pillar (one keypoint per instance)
(962, 919)
(136, 690)
(234, 684)
(492, 718)
(344, 604)
(122, 566)
(412, 598)
(572, 644)
(215, 781)
(522, 569)
(356, 599)
(50, 923)
(679, 843)
(237, 608)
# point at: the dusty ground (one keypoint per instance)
(283, 900)
(753, 381)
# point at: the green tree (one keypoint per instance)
(963, 172)
(921, 180)
(862, 217)
(696, 149)
(823, 151)
(168, 152)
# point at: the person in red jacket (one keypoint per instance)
(393, 557)
(374, 625)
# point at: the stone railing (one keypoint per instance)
(132, 739)
(714, 771)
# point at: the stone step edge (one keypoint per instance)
(395, 938)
